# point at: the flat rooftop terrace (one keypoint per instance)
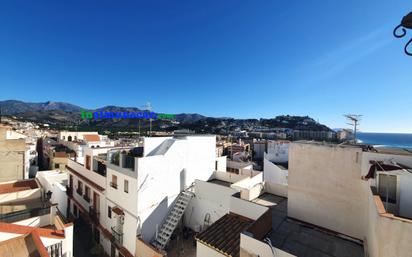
(17, 186)
(21, 210)
(302, 239)
(220, 182)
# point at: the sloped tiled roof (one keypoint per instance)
(224, 235)
(91, 137)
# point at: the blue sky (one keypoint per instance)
(245, 59)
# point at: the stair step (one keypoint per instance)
(172, 220)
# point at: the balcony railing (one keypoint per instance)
(94, 214)
(55, 250)
(69, 191)
(100, 168)
(117, 236)
(113, 185)
(79, 191)
(25, 214)
(129, 162)
(86, 198)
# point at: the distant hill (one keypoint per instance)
(67, 115)
(12, 107)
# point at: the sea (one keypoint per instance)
(398, 140)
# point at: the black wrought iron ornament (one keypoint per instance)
(405, 23)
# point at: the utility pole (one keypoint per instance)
(354, 120)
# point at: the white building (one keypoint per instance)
(55, 181)
(277, 151)
(275, 162)
(30, 224)
(79, 141)
(128, 191)
(363, 193)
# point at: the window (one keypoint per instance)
(86, 194)
(388, 188)
(79, 187)
(56, 165)
(126, 186)
(114, 181)
(109, 212)
(88, 162)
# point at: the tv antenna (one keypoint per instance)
(354, 120)
(148, 107)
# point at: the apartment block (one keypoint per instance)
(358, 191)
(126, 193)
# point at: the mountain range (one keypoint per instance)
(61, 114)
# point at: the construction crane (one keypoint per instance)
(354, 120)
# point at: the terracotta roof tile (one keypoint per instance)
(17, 186)
(19, 229)
(60, 154)
(118, 211)
(224, 235)
(91, 137)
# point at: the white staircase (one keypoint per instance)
(172, 219)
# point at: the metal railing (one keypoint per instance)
(113, 185)
(55, 250)
(129, 162)
(117, 236)
(100, 168)
(86, 198)
(94, 214)
(69, 191)
(25, 214)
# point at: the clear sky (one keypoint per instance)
(244, 59)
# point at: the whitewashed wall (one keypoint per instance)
(274, 174)
(210, 199)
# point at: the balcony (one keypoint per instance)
(129, 162)
(99, 167)
(14, 212)
(113, 185)
(79, 191)
(86, 198)
(94, 214)
(115, 158)
(69, 191)
(117, 236)
(55, 250)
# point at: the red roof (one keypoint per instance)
(17, 186)
(118, 211)
(19, 229)
(91, 137)
(60, 154)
